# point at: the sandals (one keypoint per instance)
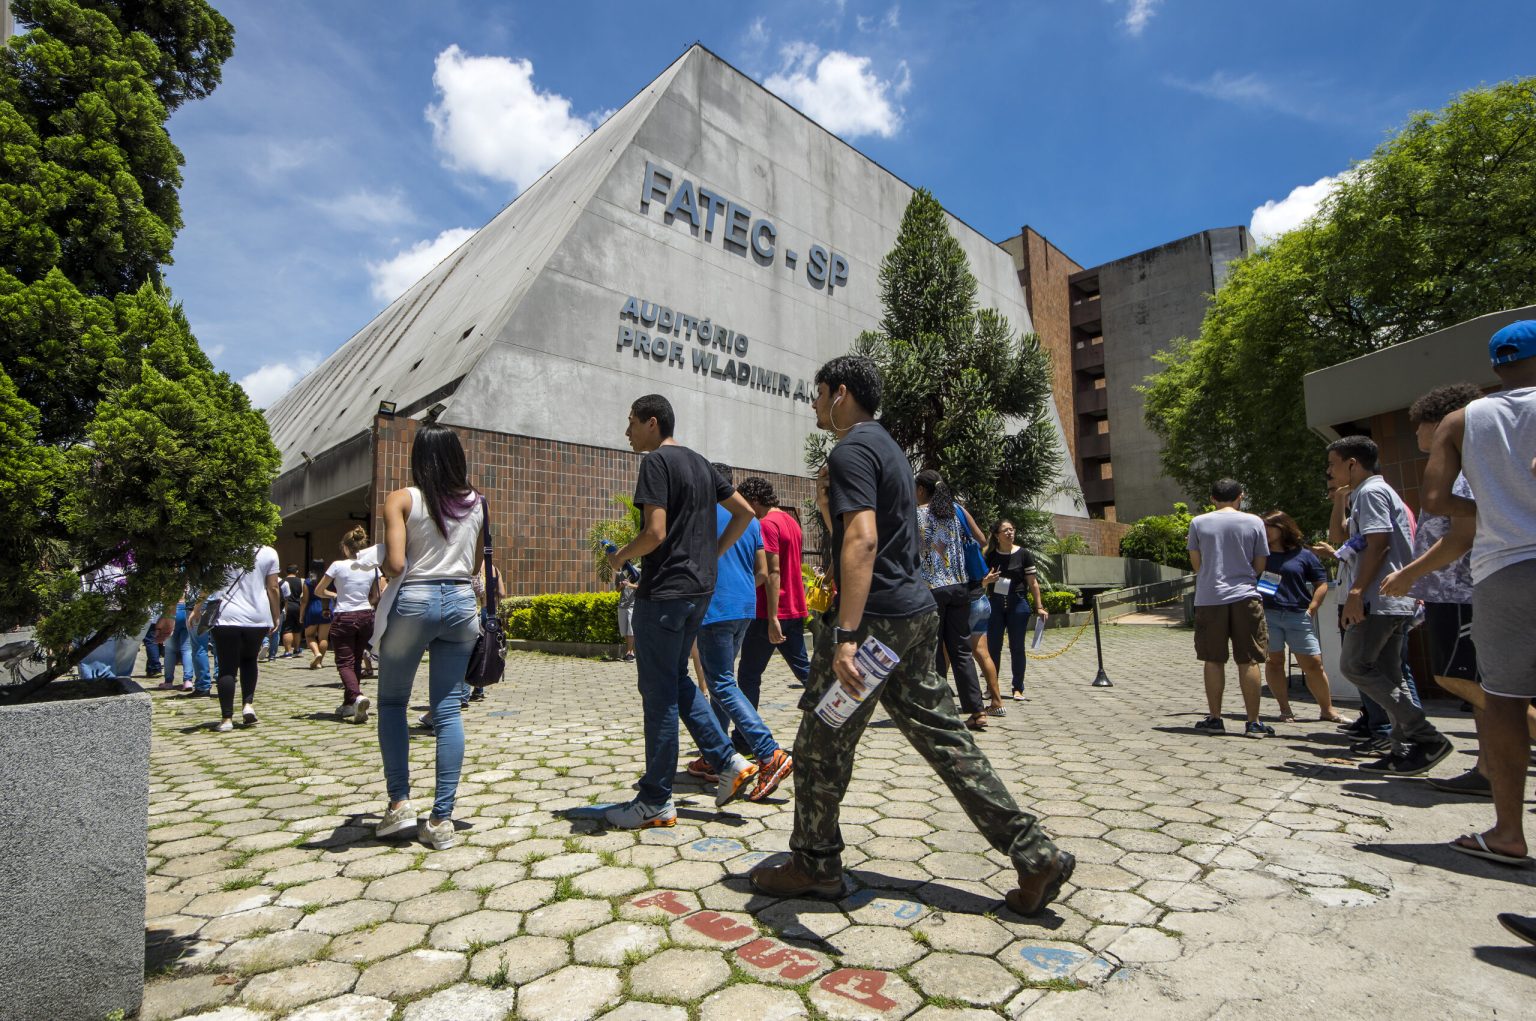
(996, 710)
(977, 722)
(1483, 851)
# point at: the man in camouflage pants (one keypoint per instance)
(868, 501)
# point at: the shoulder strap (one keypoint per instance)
(492, 587)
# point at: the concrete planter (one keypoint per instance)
(585, 650)
(74, 803)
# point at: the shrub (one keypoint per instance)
(1058, 601)
(1160, 538)
(1067, 544)
(590, 617)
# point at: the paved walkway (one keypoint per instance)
(1218, 877)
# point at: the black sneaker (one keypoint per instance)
(478, 695)
(1359, 728)
(1471, 782)
(1372, 746)
(1419, 759)
(1212, 725)
(1257, 729)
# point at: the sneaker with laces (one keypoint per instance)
(225, 726)
(396, 821)
(346, 712)
(1212, 725)
(1471, 782)
(1257, 729)
(437, 835)
(1358, 727)
(1372, 746)
(701, 768)
(426, 720)
(637, 815)
(771, 773)
(360, 709)
(1417, 758)
(734, 779)
(248, 716)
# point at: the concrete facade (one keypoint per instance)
(708, 242)
(1122, 314)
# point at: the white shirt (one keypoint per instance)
(352, 580)
(243, 600)
(431, 555)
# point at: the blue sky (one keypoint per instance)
(354, 141)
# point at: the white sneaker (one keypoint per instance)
(637, 815)
(225, 726)
(734, 780)
(346, 712)
(426, 720)
(248, 716)
(360, 709)
(396, 821)
(437, 835)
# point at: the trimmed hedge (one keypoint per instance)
(1058, 601)
(591, 617)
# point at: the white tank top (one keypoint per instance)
(1496, 451)
(431, 557)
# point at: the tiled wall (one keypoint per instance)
(1103, 537)
(543, 497)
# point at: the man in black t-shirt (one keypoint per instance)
(676, 492)
(868, 501)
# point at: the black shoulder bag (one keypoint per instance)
(489, 660)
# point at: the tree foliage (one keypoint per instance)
(1437, 227)
(1160, 538)
(119, 443)
(962, 393)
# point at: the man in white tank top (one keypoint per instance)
(1491, 441)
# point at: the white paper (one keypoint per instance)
(1039, 632)
(1002, 587)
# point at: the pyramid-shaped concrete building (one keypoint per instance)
(707, 242)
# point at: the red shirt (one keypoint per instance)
(781, 535)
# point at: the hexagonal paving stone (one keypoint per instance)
(756, 1002)
(215, 905)
(576, 993)
(1041, 960)
(437, 907)
(492, 873)
(713, 930)
(979, 981)
(610, 881)
(858, 994)
(323, 891)
(342, 918)
(403, 886)
(879, 907)
(386, 940)
(280, 949)
(166, 1000)
(521, 896)
(689, 875)
(411, 973)
(346, 1008)
(520, 960)
(1146, 946)
(294, 987)
(639, 1010)
(567, 918)
(772, 960)
(799, 919)
(464, 1003)
(659, 906)
(970, 934)
(617, 943)
(876, 946)
(228, 928)
(679, 974)
(477, 927)
(564, 865)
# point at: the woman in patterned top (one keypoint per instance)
(941, 562)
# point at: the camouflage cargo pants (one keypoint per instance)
(919, 703)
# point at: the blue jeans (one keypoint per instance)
(178, 648)
(1010, 613)
(1376, 719)
(719, 645)
(440, 617)
(152, 652)
(112, 658)
(664, 633)
(757, 651)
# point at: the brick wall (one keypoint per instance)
(543, 497)
(1103, 537)
(1043, 270)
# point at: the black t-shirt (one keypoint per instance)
(1016, 566)
(682, 482)
(868, 471)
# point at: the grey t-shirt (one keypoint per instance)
(1374, 508)
(1228, 543)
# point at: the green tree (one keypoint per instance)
(119, 443)
(962, 393)
(1438, 226)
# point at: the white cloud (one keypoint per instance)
(491, 120)
(1278, 216)
(365, 208)
(757, 32)
(268, 383)
(393, 276)
(1138, 13)
(1310, 101)
(839, 91)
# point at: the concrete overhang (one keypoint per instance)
(340, 471)
(1393, 378)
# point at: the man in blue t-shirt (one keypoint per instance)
(731, 611)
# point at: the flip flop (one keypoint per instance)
(1482, 851)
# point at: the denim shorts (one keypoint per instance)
(981, 613)
(1294, 628)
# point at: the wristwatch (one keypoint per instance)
(842, 634)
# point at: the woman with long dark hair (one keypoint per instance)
(1290, 615)
(432, 555)
(1015, 582)
(353, 586)
(941, 562)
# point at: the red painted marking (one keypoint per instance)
(770, 954)
(718, 927)
(666, 900)
(860, 986)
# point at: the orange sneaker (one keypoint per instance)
(701, 768)
(772, 773)
(734, 779)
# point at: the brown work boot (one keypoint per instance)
(790, 880)
(1038, 889)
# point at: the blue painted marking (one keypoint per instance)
(902, 909)
(909, 909)
(1050, 959)
(754, 857)
(709, 844)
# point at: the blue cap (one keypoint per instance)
(1515, 342)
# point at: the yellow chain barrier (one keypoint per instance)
(1061, 651)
